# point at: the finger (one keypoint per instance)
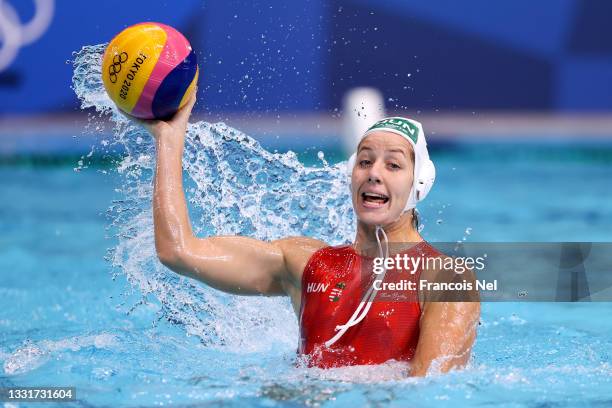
(193, 97)
(183, 113)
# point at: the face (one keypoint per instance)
(382, 177)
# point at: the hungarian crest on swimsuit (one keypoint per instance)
(334, 296)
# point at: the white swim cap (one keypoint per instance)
(424, 170)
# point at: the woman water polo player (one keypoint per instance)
(339, 324)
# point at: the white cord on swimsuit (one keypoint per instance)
(361, 312)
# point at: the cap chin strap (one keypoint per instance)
(366, 302)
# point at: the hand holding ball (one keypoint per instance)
(149, 70)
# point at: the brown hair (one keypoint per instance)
(415, 219)
(415, 214)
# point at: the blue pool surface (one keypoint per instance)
(74, 314)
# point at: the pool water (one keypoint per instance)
(67, 318)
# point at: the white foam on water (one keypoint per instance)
(34, 354)
(26, 358)
(365, 374)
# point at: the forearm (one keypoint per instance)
(170, 214)
(447, 334)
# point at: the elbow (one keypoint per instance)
(167, 258)
(170, 256)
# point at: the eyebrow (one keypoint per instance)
(398, 151)
(390, 150)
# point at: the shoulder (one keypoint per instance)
(451, 292)
(296, 253)
(448, 278)
(299, 245)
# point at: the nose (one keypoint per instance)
(374, 174)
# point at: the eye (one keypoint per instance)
(364, 162)
(395, 166)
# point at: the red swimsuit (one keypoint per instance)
(332, 290)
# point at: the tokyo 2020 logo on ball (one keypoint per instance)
(149, 70)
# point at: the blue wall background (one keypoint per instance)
(279, 56)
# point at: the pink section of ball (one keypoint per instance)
(175, 51)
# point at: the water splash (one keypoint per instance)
(234, 187)
(32, 355)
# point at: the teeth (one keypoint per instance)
(375, 195)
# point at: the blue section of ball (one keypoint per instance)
(168, 97)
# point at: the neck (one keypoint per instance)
(399, 231)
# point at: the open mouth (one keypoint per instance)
(375, 199)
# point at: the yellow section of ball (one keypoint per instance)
(190, 89)
(128, 62)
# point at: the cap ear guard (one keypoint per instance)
(426, 178)
(350, 164)
(349, 169)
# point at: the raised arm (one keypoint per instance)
(234, 264)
